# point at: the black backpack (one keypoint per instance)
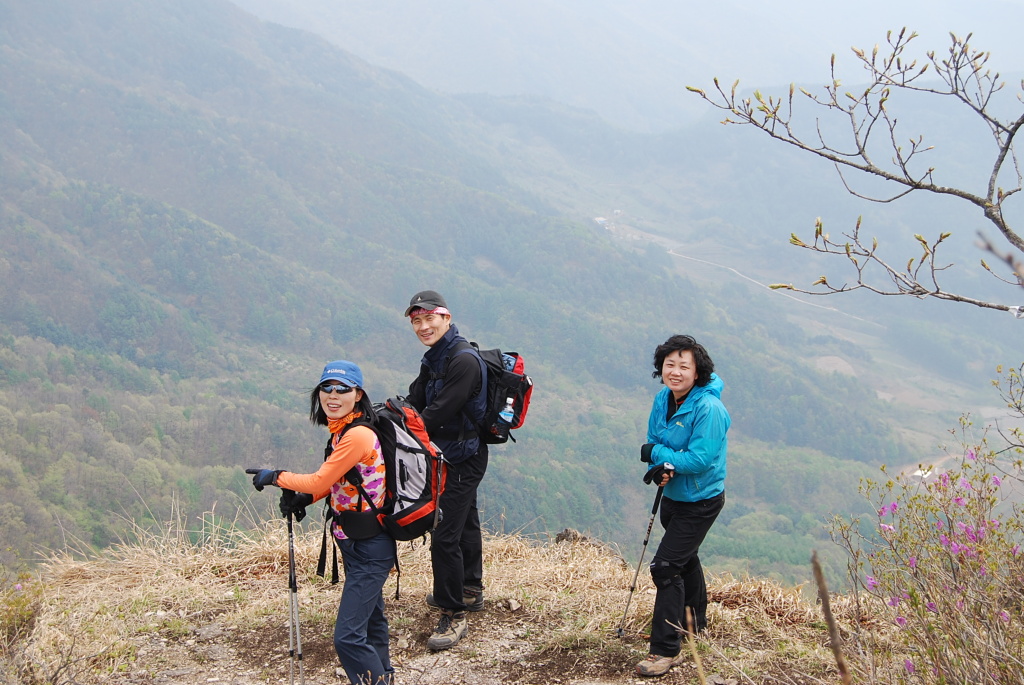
(509, 389)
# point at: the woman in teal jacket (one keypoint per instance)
(686, 448)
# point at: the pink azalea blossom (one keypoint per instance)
(886, 527)
(912, 562)
(900, 621)
(1004, 617)
(909, 665)
(888, 509)
(870, 582)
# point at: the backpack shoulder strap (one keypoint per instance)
(462, 348)
(484, 380)
(385, 432)
(356, 479)
(459, 348)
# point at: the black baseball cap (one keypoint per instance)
(426, 299)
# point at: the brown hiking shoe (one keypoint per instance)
(655, 664)
(449, 630)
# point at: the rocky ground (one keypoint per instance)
(171, 612)
(503, 646)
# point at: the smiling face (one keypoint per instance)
(337, 406)
(430, 327)
(679, 372)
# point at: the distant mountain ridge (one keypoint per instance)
(629, 61)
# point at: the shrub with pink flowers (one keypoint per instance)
(942, 561)
(18, 600)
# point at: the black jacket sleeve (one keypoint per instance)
(418, 390)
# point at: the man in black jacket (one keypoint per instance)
(450, 394)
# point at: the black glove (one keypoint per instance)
(263, 477)
(654, 475)
(645, 453)
(294, 503)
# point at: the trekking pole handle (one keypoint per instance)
(293, 584)
(657, 502)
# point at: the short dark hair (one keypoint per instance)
(681, 343)
(318, 417)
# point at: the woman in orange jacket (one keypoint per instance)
(368, 552)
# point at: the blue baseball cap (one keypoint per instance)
(345, 372)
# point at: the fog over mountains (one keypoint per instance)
(198, 208)
(630, 61)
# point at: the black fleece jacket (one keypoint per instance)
(443, 411)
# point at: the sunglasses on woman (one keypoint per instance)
(328, 388)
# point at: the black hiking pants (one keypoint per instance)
(677, 573)
(456, 545)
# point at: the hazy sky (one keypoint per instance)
(630, 59)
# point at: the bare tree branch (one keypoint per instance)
(919, 278)
(965, 78)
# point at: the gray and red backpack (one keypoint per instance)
(415, 476)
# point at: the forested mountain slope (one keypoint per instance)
(198, 209)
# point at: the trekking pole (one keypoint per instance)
(294, 639)
(632, 588)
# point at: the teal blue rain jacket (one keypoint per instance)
(693, 440)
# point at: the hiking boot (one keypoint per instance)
(449, 631)
(655, 664)
(473, 599)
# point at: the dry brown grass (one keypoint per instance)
(559, 601)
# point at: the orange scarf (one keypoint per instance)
(337, 425)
